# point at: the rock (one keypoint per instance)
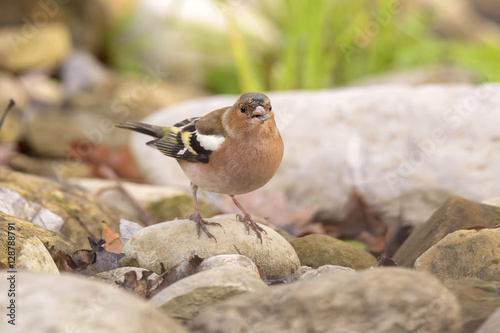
(171, 242)
(378, 300)
(81, 71)
(187, 297)
(12, 88)
(177, 207)
(23, 230)
(51, 132)
(495, 201)
(23, 51)
(46, 167)
(144, 194)
(488, 8)
(455, 214)
(118, 274)
(326, 270)
(464, 254)
(319, 250)
(302, 270)
(88, 117)
(128, 229)
(81, 212)
(71, 303)
(35, 257)
(43, 90)
(85, 20)
(12, 203)
(422, 148)
(492, 323)
(478, 300)
(225, 260)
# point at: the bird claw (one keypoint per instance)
(200, 225)
(249, 223)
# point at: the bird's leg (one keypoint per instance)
(247, 219)
(200, 222)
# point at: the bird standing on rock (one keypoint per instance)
(233, 150)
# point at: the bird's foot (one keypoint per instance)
(249, 223)
(201, 225)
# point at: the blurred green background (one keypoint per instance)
(285, 44)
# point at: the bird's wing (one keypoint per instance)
(184, 142)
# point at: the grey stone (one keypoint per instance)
(318, 250)
(81, 212)
(49, 303)
(224, 260)
(478, 300)
(302, 270)
(464, 254)
(35, 257)
(492, 324)
(326, 270)
(187, 297)
(171, 242)
(455, 214)
(377, 300)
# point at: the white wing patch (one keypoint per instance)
(182, 151)
(210, 142)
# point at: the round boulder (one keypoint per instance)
(68, 303)
(464, 254)
(171, 242)
(318, 250)
(187, 297)
(377, 300)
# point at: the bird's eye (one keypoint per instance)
(270, 107)
(242, 109)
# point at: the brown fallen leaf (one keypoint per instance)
(63, 261)
(141, 288)
(147, 288)
(86, 262)
(359, 217)
(113, 243)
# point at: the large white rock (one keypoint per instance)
(69, 303)
(413, 143)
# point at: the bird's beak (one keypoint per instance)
(260, 114)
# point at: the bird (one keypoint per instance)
(232, 150)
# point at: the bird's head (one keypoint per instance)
(252, 111)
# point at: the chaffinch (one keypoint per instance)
(232, 150)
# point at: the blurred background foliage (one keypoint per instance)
(311, 44)
(75, 67)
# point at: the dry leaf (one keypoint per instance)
(113, 243)
(148, 288)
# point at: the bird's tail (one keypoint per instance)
(155, 131)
